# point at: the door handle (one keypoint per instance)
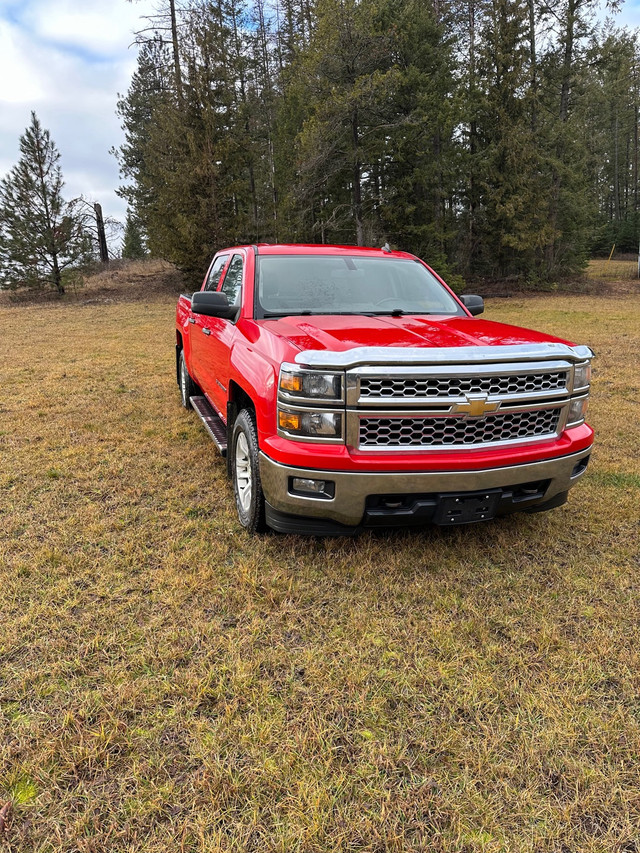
(206, 331)
(192, 319)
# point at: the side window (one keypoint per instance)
(232, 284)
(216, 272)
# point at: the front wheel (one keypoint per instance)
(245, 474)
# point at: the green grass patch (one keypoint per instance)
(617, 479)
(22, 792)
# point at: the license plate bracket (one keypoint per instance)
(467, 507)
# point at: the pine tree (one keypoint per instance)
(195, 158)
(418, 159)
(512, 214)
(477, 133)
(133, 246)
(571, 209)
(345, 78)
(150, 88)
(610, 112)
(195, 152)
(40, 234)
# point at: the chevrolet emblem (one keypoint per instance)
(476, 406)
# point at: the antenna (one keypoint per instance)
(386, 248)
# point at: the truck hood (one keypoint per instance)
(338, 334)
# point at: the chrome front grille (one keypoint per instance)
(442, 432)
(408, 387)
(468, 397)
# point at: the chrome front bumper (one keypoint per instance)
(352, 488)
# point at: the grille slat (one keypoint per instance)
(447, 431)
(372, 387)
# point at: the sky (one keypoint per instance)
(68, 60)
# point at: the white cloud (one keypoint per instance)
(19, 81)
(68, 60)
(92, 26)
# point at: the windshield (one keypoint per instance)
(329, 284)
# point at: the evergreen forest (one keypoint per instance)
(494, 138)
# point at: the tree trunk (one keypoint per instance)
(616, 170)
(567, 60)
(176, 51)
(102, 238)
(565, 91)
(57, 276)
(473, 137)
(438, 190)
(247, 129)
(534, 66)
(635, 161)
(268, 94)
(357, 178)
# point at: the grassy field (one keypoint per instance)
(168, 683)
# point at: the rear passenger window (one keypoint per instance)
(215, 272)
(232, 284)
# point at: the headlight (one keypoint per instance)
(311, 384)
(582, 375)
(577, 411)
(311, 424)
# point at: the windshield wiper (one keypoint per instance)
(400, 312)
(307, 313)
(395, 312)
(268, 314)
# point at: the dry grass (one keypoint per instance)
(613, 270)
(170, 684)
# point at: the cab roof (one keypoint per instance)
(323, 249)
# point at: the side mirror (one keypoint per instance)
(213, 304)
(474, 304)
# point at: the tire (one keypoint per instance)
(188, 387)
(245, 474)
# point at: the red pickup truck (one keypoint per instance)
(353, 388)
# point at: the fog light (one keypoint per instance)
(313, 488)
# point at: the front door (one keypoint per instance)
(200, 356)
(217, 338)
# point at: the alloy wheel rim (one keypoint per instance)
(243, 472)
